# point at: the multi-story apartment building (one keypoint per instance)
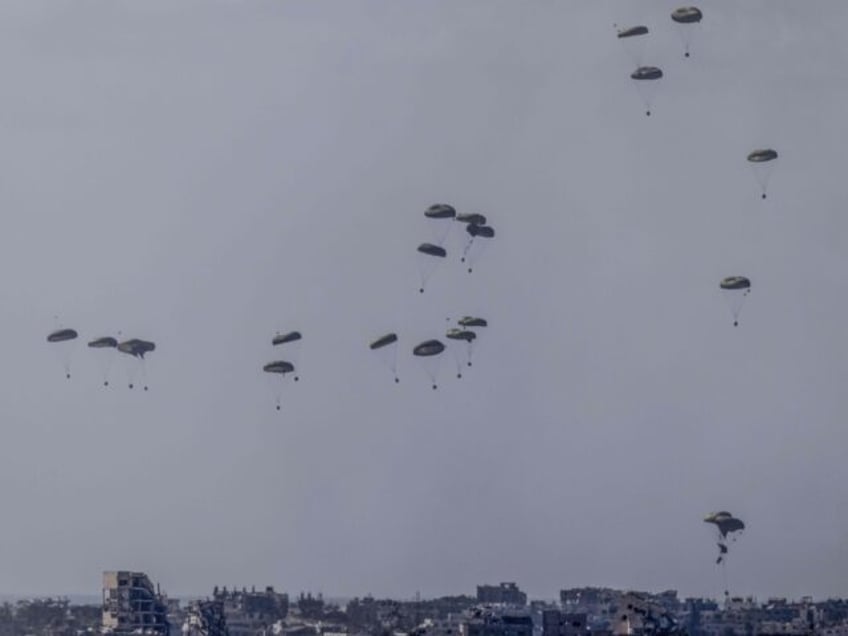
(133, 605)
(505, 593)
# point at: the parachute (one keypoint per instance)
(687, 20)
(462, 341)
(687, 15)
(726, 526)
(762, 162)
(386, 348)
(440, 211)
(292, 340)
(63, 339)
(429, 256)
(136, 348)
(471, 218)
(633, 32)
(735, 290)
(278, 368)
(62, 335)
(292, 336)
(104, 349)
(428, 353)
(633, 40)
(438, 218)
(474, 248)
(472, 321)
(646, 79)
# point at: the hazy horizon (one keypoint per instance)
(204, 173)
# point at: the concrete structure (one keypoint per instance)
(250, 613)
(558, 623)
(505, 593)
(131, 604)
(489, 622)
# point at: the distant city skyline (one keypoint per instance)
(205, 173)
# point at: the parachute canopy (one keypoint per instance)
(103, 343)
(725, 522)
(472, 321)
(687, 15)
(461, 334)
(480, 230)
(136, 347)
(646, 73)
(735, 282)
(291, 336)
(472, 218)
(62, 335)
(633, 31)
(429, 348)
(432, 250)
(762, 155)
(440, 211)
(385, 341)
(279, 366)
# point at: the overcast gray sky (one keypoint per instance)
(205, 172)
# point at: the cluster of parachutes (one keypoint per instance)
(106, 349)
(726, 526)
(736, 288)
(461, 340)
(279, 371)
(442, 218)
(646, 78)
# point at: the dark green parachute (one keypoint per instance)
(633, 43)
(725, 523)
(687, 15)
(646, 73)
(384, 341)
(440, 211)
(291, 336)
(62, 335)
(762, 162)
(483, 231)
(106, 342)
(386, 348)
(428, 353)
(105, 353)
(735, 290)
(473, 218)
(646, 79)
(461, 334)
(432, 250)
(687, 20)
(762, 155)
(428, 348)
(474, 247)
(472, 321)
(136, 347)
(63, 339)
(633, 31)
(429, 257)
(279, 366)
(735, 282)
(462, 345)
